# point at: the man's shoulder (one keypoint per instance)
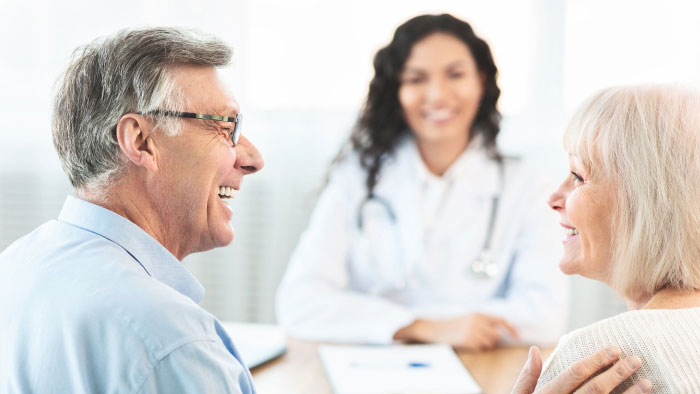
(82, 283)
(57, 241)
(134, 306)
(107, 312)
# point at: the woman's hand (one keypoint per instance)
(475, 331)
(570, 380)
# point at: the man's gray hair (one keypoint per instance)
(115, 75)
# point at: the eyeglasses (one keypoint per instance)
(237, 120)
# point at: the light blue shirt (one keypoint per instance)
(90, 303)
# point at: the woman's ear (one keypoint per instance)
(134, 134)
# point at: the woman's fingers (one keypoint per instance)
(491, 330)
(608, 380)
(504, 323)
(479, 341)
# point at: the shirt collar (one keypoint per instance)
(473, 166)
(153, 257)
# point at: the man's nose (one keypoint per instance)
(248, 157)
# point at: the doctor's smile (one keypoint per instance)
(440, 115)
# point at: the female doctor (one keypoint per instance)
(424, 232)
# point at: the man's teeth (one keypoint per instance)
(571, 231)
(227, 192)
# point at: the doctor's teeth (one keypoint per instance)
(226, 192)
(572, 231)
(438, 114)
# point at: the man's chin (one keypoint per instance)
(224, 237)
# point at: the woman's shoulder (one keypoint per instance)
(347, 163)
(643, 323)
(663, 339)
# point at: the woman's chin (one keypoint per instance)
(569, 267)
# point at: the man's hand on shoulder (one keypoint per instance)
(571, 380)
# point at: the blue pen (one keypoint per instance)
(410, 364)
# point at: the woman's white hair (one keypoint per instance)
(645, 141)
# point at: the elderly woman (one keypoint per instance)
(630, 208)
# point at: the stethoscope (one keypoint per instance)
(484, 265)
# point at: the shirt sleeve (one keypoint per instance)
(314, 300)
(198, 367)
(537, 293)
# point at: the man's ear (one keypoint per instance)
(135, 137)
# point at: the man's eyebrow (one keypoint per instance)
(224, 110)
(231, 111)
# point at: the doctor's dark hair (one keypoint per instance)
(381, 123)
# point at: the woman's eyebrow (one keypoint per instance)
(454, 64)
(414, 70)
(457, 63)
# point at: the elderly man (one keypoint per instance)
(97, 301)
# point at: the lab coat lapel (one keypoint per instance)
(467, 207)
(400, 185)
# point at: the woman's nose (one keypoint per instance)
(437, 90)
(557, 200)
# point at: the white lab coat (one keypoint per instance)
(347, 285)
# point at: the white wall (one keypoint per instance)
(300, 71)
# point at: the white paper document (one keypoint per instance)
(257, 343)
(395, 369)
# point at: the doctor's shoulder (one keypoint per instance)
(345, 180)
(346, 169)
(349, 169)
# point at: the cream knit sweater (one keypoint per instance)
(667, 341)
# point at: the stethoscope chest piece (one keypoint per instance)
(484, 266)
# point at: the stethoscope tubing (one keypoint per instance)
(483, 266)
(495, 203)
